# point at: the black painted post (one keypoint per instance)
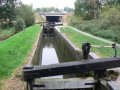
(97, 75)
(27, 86)
(31, 83)
(86, 50)
(114, 47)
(97, 78)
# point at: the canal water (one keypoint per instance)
(51, 52)
(49, 55)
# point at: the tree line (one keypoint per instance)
(98, 17)
(15, 13)
(91, 9)
(53, 9)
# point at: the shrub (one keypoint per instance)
(107, 26)
(110, 18)
(74, 21)
(19, 25)
(26, 12)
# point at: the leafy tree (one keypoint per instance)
(47, 10)
(88, 9)
(26, 12)
(19, 25)
(7, 12)
(38, 10)
(113, 2)
(67, 9)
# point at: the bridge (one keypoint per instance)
(53, 17)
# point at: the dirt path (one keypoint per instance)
(16, 82)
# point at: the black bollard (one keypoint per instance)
(86, 50)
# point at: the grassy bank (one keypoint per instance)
(98, 28)
(13, 51)
(106, 26)
(6, 33)
(78, 39)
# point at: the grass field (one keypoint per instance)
(6, 33)
(13, 51)
(78, 39)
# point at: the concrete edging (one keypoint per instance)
(92, 36)
(30, 58)
(92, 54)
(76, 50)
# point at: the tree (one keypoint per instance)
(38, 10)
(19, 25)
(67, 9)
(26, 12)
(47, 10)
(7, 12)
(113, 2)
(87, 9)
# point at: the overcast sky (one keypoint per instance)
(50, 3)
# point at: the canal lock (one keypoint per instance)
(52, 49)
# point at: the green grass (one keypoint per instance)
(106, 27)
(78, 39)
(5, 33)
(13, 51)
(98, 28)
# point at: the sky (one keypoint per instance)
(50, 3)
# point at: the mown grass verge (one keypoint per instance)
(78, 39)
(14, 51)
(97, 28)
(6, 33)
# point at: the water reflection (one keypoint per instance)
(52, 52)
(49, 55)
